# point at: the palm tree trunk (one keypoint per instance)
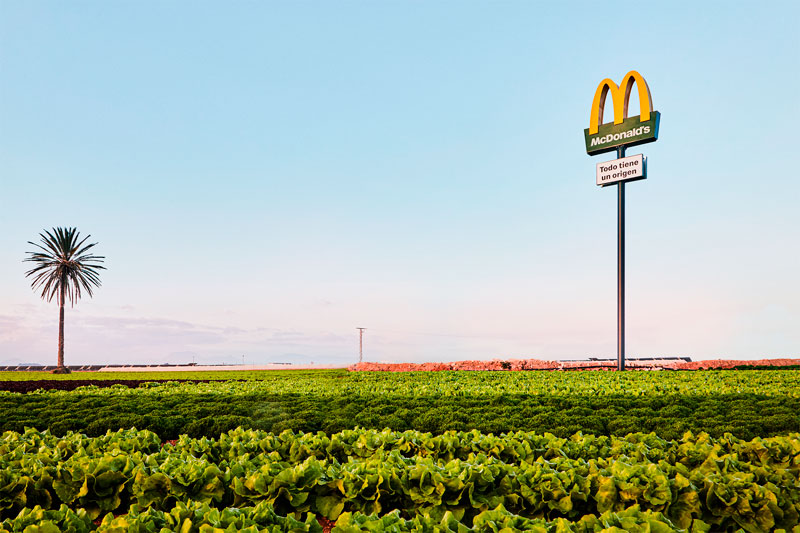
(61, 330)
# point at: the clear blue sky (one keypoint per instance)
(264, 177)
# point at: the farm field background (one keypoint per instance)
(746, 404)
(441, 451)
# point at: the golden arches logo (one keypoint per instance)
(620, 97)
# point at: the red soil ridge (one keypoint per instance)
(536, 364)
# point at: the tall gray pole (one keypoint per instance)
(360, 344)
(621, 269)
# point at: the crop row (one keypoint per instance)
(727, 483)
(333, 383)
(175, 375)
(511, 448)
(199, 517)
(184, 409)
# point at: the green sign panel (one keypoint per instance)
(630, 133)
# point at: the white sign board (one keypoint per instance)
(622, 169)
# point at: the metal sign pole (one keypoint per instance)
(621, 268)
(617, 135)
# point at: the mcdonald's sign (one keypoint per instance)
(627, 131)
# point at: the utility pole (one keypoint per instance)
(360, 344)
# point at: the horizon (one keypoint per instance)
(264, 179)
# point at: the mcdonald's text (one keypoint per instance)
(630, 132)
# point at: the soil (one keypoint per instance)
(72, 384)
(326, 524)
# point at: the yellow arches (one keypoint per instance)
(620, 100)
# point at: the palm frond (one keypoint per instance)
(64, 265)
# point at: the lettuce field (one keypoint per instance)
(746, 404)
(444, 451)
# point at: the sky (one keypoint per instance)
(265, 177)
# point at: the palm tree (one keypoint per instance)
(64, 268)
